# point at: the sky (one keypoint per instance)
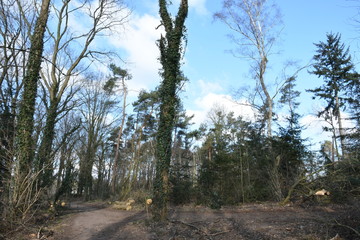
(214, 74)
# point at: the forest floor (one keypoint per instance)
(99, 221)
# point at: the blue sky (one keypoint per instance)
(213, 73)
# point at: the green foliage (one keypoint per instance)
(289, 95)
(333, 63)
(147, 109)
(182, 167)
(235, 162)
(291, 152)
(181, 184)
(117, 74)
(233, 168)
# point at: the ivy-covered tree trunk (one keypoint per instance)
(25, 144)
(45, 158)
(170, 56)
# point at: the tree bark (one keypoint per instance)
(25, 144)
(115, 166)
(170, 56)
(269, 101)
(341, 129)
(45, 155)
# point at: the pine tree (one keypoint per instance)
(333, 64)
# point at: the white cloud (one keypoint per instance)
(198, 5)
(206, 87)
(203, 105)
(139, 43)
(137, 46)
(315, 128)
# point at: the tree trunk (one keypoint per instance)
(170, 55)
(60, 175)
(25, 144)
(24, 132)
(275, 179)
(341, 129)
(115, 166)
(269, 102)
(45, 155)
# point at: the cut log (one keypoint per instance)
(322, 192)
(124, 205)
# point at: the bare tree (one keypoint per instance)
(25, 125)
(254, 30)
(141, 142)
(95, 128)
(254, 25)
(69, 50)
(14, 40)
(67, 139)
(123, 75)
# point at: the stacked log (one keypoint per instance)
(124, 205)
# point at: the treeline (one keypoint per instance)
(86, 140)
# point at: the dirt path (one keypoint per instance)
(97, 222)
(262, 221)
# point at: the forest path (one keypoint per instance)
(96, 221)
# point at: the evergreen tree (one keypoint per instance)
(354, 137)
(333, 64)
(181, 162)
(118, 74)
(234, 167)
(289, 146)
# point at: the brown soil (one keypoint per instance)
(94, 221)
